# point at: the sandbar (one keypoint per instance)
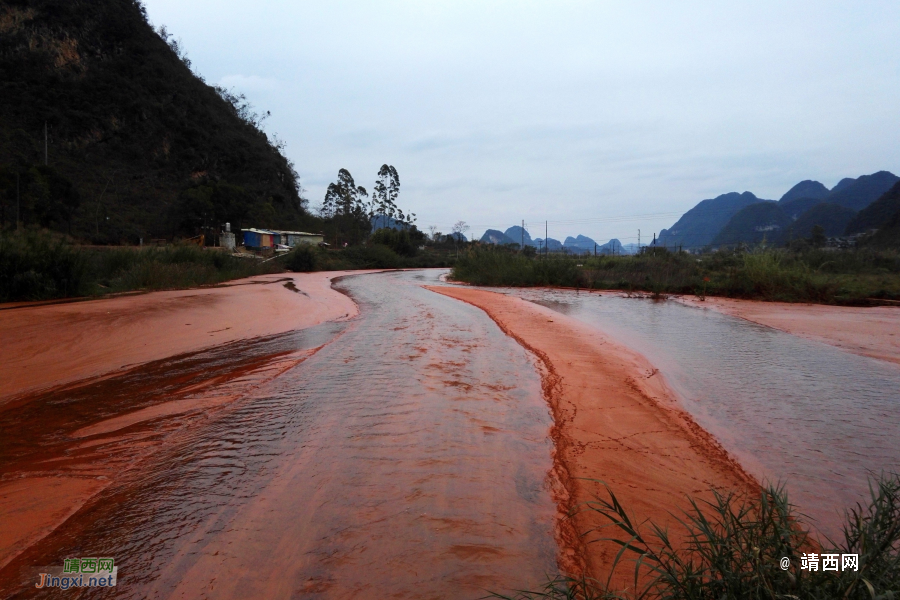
(59, 346)
(53, 344)
(616, 422)
(866, 331)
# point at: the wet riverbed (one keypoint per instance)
(406, 458)
(404, 453)
(792, 410)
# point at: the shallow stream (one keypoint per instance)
(407, 458)
(791, 410)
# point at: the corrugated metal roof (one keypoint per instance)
(294, 232)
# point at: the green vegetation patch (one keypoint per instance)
(39, 265)
(853, 277)
(370, 256)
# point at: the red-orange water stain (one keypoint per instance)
(359, 472)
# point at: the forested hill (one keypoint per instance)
(138, 145)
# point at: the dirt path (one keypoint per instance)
(867, 331)
(616, 421)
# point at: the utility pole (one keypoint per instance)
(45, 144)
(639, 241)
(546, 245)
(595, 248)
(522, 247)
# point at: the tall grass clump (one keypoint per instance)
(733, 547)
(170, 267)
(772, 275)
(485, 266)
(39, 265)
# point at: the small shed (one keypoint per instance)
(259, 238)
(292, 238)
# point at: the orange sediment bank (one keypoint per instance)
(616, 422)
(51, 345)
(41, 489)
(867, 331)
(108, 356)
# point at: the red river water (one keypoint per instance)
(404, 452)
(401, 454)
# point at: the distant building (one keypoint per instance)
(259, 238)
(270, 238)
(292, 238)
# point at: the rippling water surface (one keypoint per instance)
(790, 409)
(408, 458)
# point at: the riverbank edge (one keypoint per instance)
(587, 439)
(52, 346)
(861, 330)
(871, 331)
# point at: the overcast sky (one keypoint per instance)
(601, 117)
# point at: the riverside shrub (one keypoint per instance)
(303, 258)
(734, 547)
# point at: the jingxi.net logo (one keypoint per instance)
(79, 572)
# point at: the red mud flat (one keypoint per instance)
(616, 421)
(867, 331)
(49, 345)
(103, 353)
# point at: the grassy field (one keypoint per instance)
(38, 265)
(734, 548)
(851, 277)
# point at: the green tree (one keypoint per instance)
(346, 209)
(40, 195)
(384, 198)
(205, 207)
(404, 242)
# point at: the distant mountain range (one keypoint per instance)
(852, 206)
(495, 236)
(734, 218)
(700, 225)
(573, 245)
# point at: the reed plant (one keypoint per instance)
(733, 548)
